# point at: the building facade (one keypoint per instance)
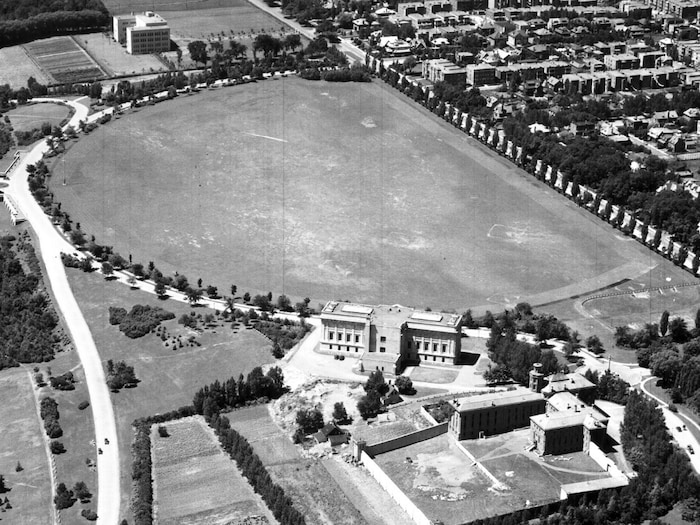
(142, 33)
(385, 338)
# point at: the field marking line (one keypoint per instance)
(61, 53)
(263, 136)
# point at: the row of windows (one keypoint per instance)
(348, 336)
(342, 348)
(437, 347)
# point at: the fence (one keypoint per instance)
(395, 492)
(407, 439)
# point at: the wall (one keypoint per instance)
(407, 439)
(604, 462)
(395, 492)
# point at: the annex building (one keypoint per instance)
(386, 338)
(142, 33)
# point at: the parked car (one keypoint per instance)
(690, 449)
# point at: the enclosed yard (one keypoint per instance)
(332, 191)
(64, 60)
(32, 116)
(195, 482)
(444, 483)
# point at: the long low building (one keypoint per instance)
(386, 338)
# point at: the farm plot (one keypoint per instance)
(195, 481)
(64, 60)
(315, 493)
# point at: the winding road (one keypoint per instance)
(50, 245)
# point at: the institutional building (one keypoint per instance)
(142, 33)
(441, 70)
(496, 413)
(554, 407)
(386, 338)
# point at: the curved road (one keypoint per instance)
(51, 244)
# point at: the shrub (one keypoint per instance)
(89, 514)
(63, 382)
(140, 320)
(57, 447)
(163, 431)
(116, 315)
(83, 405)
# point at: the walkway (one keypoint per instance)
(50, 246)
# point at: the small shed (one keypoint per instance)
(332, 433)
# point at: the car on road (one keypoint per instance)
(679, 429)
(690, 449)
(99, 451)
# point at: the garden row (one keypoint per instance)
(513, 149)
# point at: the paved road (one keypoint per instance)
(673, 422)
(51, 244)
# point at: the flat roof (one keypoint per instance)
(595, 484)
(556, 420)
(502, 398)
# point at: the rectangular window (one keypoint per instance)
(357, 338)
(426, 346)
(382, 349)
(347, 338)
(330, 336)
(444, 348)
(435, 347)
(382, 339)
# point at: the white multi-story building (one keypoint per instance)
(142, 33)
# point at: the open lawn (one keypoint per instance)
(195, 481)
(169, 375)
(22, 440)
(434, 375)
(236, 22)
(63, 59)
(32, 116)
(314, 491)
(113, 57)
(126, 6)
(16, 68)
(361, 196)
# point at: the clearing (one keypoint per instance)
(187, 465)
(423, 216)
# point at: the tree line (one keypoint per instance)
(43, 25)
(27, 319)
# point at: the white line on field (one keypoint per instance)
(263, 136)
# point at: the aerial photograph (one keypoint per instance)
(350, 262)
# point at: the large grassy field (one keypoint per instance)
(16, 68)
(333, 191)
(114, 59)
(195, 481)
(169, 376)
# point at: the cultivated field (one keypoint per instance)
(443, 483)
(30, 489)
(114, 59)
(63, 60)
(16, 68)
(333, 191)
(307, 481)
(32, 116)
(169, 376)
(195, 481)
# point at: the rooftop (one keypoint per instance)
(555, 420)
(391, 315)
(497, 399)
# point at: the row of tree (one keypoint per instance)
(48, 410)
(27, 319)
